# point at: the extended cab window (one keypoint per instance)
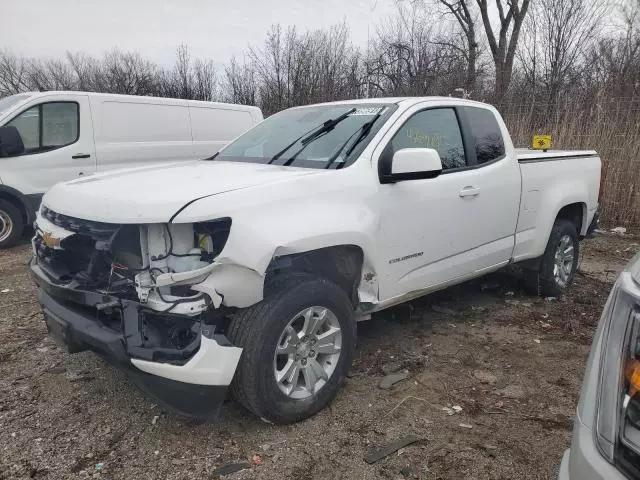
(436, 128)
(486, 134)
(48, 126)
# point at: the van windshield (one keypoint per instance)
(322, 136)
(9, 102)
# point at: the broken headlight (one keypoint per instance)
(211, 237)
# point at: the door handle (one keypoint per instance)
(81, 155)
(469, 191)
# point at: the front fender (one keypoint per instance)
(307, 215)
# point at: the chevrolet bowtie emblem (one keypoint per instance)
(50, 241)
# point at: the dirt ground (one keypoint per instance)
(494, 375)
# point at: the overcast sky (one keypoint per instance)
(215, 29)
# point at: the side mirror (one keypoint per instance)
(414, 163)
(10, 142)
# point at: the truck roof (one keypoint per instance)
(398, 100)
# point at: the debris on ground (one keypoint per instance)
(619, 230)
(257, 460)
(390, 380)
(80, 377)
(154, 420)
(452, 410)
(443, 310)
(378, 454)
(465, 425)
(230, 468)
(57, 370)
(392, 367)
(511, 391)
(485, 377)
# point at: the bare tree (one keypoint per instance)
(557, 36)
(129, 73)
(50, 75)
(12, 73)
(615, 60)
(410, 56)
(462, 12)
(295, 69)
(511, 14)
(241, 86)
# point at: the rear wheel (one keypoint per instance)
(298, 344)
(559, 262)
(11, 224)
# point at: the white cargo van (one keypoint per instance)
(49, 137)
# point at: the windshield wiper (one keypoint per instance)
(309, 136)
(364, 131)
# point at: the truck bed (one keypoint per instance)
(527, 155)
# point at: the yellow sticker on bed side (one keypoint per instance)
(541, 142)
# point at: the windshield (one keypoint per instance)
(326, 136)
(9, 102)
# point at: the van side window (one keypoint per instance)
(28, 125)
(48, 126)
(486, 134)
(438, 129)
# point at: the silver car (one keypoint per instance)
(606, 432)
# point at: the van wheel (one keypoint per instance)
(297, 344)
(559, 261)
(11, 224)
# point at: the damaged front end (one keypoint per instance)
(142, 296)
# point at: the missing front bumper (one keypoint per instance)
(191, 381)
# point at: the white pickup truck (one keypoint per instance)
(251, 268)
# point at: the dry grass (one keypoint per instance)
(612, 127)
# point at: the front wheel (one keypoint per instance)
(11, 224)
(298, 344)
(559, 262)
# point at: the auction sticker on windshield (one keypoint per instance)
(368, 111)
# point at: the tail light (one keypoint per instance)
(617, 422)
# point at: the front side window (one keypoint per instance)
(324, 136)
(486, 134)
(438, 129)
(47, 126)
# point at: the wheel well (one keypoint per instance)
(16, 203)
(573, 213)
(340, 264)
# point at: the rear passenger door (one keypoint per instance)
(440, 230)
(496, 181)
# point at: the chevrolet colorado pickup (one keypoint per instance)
(251, 268)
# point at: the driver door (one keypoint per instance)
(57, 133)
(424, 222)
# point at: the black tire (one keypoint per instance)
(15, 224)
(543, 281)
(257, 330)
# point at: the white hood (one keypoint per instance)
(154, 194)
